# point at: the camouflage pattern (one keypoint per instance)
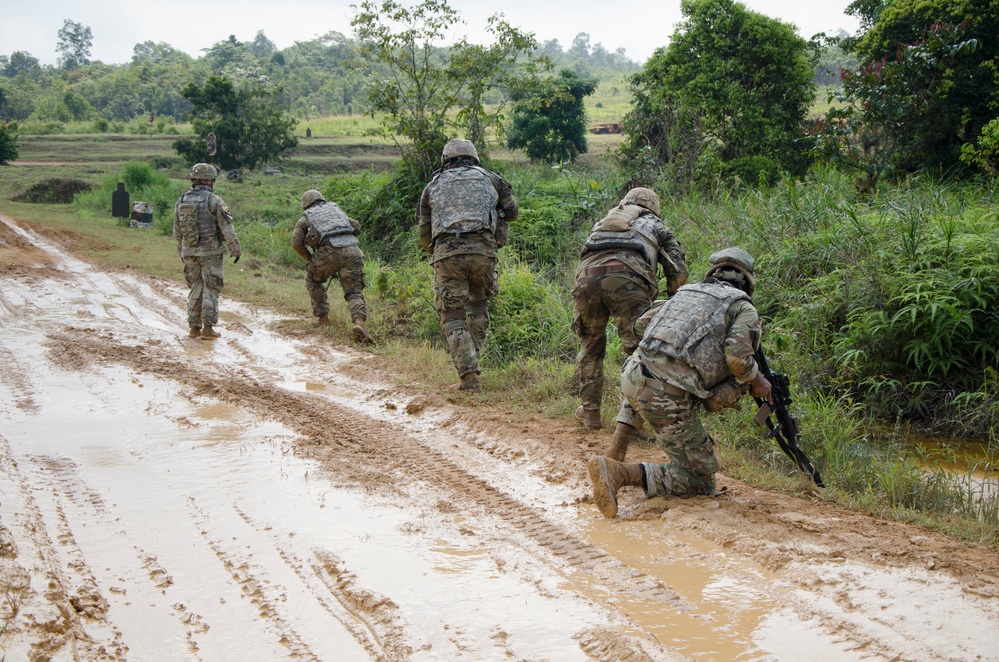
(462, 200)
(596, 299)
(203, 262)
(484, 242)
(330, 222)
(621, 295)
(677, 425)
(215, 228)
(685, 341)
(204, 276)
(465, 264)
(347, 264)
(463, 286)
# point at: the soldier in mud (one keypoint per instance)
(203, 229)
(618, 277)
(327, 239)
(462, 219)
(696, 350)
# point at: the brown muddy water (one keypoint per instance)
(271, 495)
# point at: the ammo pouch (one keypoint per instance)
(187, 215)
(725, 395)
(312, 238)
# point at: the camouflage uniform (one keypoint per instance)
(462, 220)
(693, 346)
(336, 254)
(202, 251)
(617, 279)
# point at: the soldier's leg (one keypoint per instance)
(351, 275)
(316, 275)
(626, 297)
(450, 299)
(192, 274)
(483, 285)
(677, 424)
(212, 281)
(589, 323)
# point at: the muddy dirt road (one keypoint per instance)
(273, 496)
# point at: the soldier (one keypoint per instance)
(462, 220)
(203, 229)
(618, 277)
(327, 239)
(697, 349)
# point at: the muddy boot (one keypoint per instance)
(608, 476)
(323, 320)
(208, 333)
(623, 434)
(703, 486)
(194, 332)
(589, 417)
(470, 382)
(360, 335)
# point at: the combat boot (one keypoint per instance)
(208, 333)
(194, 332)
(607, 477)
(623, 434)
(470, 382)
(360, 334)
(323, 320)
(589, 417)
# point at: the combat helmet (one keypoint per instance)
(202, 171)
(459, 147)
(734, 259)
(645, 198)
(310, 197)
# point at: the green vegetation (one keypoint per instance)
(549, 123)
(8, 144)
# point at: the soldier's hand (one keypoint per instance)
(235, 259)
(761, 388)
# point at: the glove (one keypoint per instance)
(236, 259)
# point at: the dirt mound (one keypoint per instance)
(53, 191)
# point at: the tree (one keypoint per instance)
(965, 94)
(742, 79)
(74, 45)
(549, 123)
(890, 109)
(21, 62)
(8, 143)
(249, 127)
(425, 91)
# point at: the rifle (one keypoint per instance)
(786, 430)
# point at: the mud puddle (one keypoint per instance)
(260, 497)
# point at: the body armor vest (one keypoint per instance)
(690, 329)
(462, 200)
(331, 222)
(627, 227)
(199, 230)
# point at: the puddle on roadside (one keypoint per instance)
(732, 615)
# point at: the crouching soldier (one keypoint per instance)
(327, 239)
(696, 350)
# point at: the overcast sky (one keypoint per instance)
(638, 26)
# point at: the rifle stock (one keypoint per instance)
(784, 428)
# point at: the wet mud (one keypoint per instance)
(272, 496)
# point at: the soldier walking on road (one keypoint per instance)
(327, 239)
(618, 277)
(697, 349)
(203, 229)
(462, 219)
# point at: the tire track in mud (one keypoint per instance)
(72, 608)
(376, 450)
